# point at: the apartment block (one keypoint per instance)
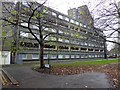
(82, 14)
(70, 38)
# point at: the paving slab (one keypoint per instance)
(28, 78)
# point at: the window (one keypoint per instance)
(66, 33)
(77, 23)
(64, 47)
(49, 46)
(23, 56)
(101, 50)
(60, 16)
(60, 56)
(53, 56)
(98, 55)
(45, 56)
(24, 24)
(72, 56)
(85, 43)
(90, 49)
(25, 3)
(92, 45)
(67, 41)
(81, 24)
(45, 10)
(97, 50)
(35, 27)
(72, 27)
(89, 56)
(86, 56)
(72, 21)
(61, 32)
(74, 48)
(85, 26)
(54, 14)
(77, 56)
(81, 43)
(67, 56)
(89, 44)
(36, 36)
(83, 49)
(75, 42)
(60, 39)
(53, 30)
(23, 34)
(72, 34)
(46, 37)
(95, 55)
(35, 56)
(46, 29)
(28, 44)
(92, 56)
(67, 19)
(52, 38)
(82, 56)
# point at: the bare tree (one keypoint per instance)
(115, 50)
(32, 13)
(108, 20)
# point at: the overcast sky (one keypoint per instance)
(64, 5)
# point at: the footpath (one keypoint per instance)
(27, 78)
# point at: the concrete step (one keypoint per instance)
(4, 80)
(11, 79)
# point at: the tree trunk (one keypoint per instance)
(13, 58)
(41, 55)
(105, 50)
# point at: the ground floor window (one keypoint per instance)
(77, 56)
(67, 56)
(45, 56)
(35, 56)
(89, 56)
(53, 56)
(95, 55)
(72, 56)
(85, 56)
(102, 55)
(82, 56)
(60, 56)
(23, 56)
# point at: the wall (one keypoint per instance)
(4, 57)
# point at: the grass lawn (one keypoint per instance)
(81, 63)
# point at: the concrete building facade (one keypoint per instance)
(82, 14)
(71, 39)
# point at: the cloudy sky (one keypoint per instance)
(64, 5)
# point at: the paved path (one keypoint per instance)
(32, 79)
